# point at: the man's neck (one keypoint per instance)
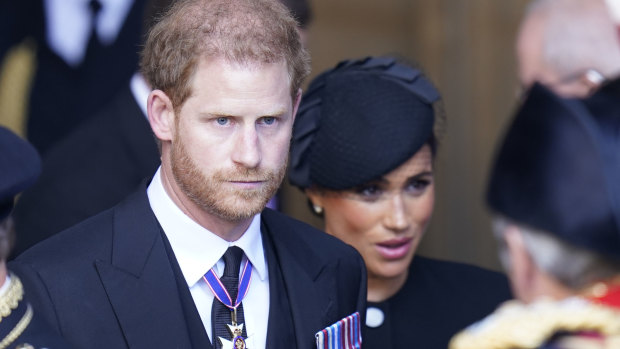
(227, 230)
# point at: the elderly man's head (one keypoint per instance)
(570, 46)
(554, 187)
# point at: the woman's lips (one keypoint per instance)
(395, 248)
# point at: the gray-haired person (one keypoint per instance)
(556, 199)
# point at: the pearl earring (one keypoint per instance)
(317, 209)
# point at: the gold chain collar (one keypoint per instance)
(12, 297)
(516, 325)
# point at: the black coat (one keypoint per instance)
(438, 299)
(108, 282)
(95, 168)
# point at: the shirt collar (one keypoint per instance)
(197, 249)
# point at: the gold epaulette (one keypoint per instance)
(9, 302)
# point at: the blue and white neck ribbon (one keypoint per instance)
(220, 292)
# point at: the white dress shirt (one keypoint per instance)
(198, 250)
(68, 24)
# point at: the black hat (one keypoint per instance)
(558, 170)
(20, 166)
(359, 121)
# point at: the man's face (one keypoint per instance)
(231, 137)
(533, 66)
(530, 52)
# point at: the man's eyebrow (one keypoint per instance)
(216, 115)
(278, 112)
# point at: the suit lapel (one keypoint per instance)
(139, 281)
(309, 282)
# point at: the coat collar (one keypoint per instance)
(308, 279)
(139, 280)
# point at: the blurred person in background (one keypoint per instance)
(571, 46)
(97, 164)
(614, 10)
(556, 199)
(21, 326)
(85, 50)
(363, 151)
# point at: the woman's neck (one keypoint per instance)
(380, 289)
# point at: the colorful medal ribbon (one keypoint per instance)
(344, 334)
(221, 293)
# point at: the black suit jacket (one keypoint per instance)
(108, 283)
(95, 168)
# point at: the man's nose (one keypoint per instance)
(246, 151)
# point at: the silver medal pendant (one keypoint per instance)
(238, 342)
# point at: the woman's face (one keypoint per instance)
(384, 219)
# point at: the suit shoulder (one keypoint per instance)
(86, 240)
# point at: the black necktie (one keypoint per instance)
(93, 46)
(95, 8)
(221, 315)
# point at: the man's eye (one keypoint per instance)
(269, 120)
(222, 120)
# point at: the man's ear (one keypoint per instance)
(296, 103)
(161, 115)
(592, 80)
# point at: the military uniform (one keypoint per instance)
(590, 321)
(557, 173)
(20, 326)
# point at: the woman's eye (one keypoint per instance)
(369, 192)
(222, 120)
(418, 185)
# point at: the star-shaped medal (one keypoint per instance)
(238, 342)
